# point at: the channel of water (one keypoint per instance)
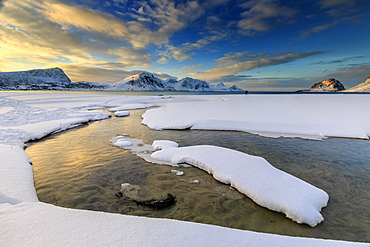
(80, 169)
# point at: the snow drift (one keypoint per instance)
(254, 177)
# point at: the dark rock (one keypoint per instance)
(153, 203)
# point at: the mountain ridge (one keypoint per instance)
(146, 81)
(56, 79)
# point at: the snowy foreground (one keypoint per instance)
(28, 115)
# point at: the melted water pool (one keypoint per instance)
(80, 169)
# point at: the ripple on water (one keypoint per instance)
(80, 169)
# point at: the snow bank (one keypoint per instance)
(256, 178)
(305, 116)
(16, 176)
(40, 224)
(161, 144)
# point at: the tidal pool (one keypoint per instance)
(80, 169)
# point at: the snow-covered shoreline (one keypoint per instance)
(27, 222)
(305, 116)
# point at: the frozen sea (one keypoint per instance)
(80, 169)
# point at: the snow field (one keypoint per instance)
(306, 116)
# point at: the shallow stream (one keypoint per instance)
(80, 169)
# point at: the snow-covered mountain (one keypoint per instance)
(362, 87)
(44, 79)
(34, 76)
(330, 85)
(56, 79)
(148, 82)
(141, 82)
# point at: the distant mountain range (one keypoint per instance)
(148, 82)
(56, 79)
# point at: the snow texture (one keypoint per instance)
(122, 113)
(161, 144)
(256, 178)
(27, 222)
(305, 116)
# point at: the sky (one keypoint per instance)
(258, 45)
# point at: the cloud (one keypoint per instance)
(168, 17)
(35, 34)
(341, 60)
(236, 78)
(23, 35)
(340, 7)
(219, 72)
(339, 11)
(191, 67)
(238, 57)
(187, 50)
(318, 29)
(263, 15)
(91, 21)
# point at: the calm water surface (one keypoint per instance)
(80, 169)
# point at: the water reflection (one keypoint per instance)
(80, 169)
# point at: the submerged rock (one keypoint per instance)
(154, 203)
(131, 191)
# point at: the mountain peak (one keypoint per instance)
(146, 81)
(35, 76)
(329, 85)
